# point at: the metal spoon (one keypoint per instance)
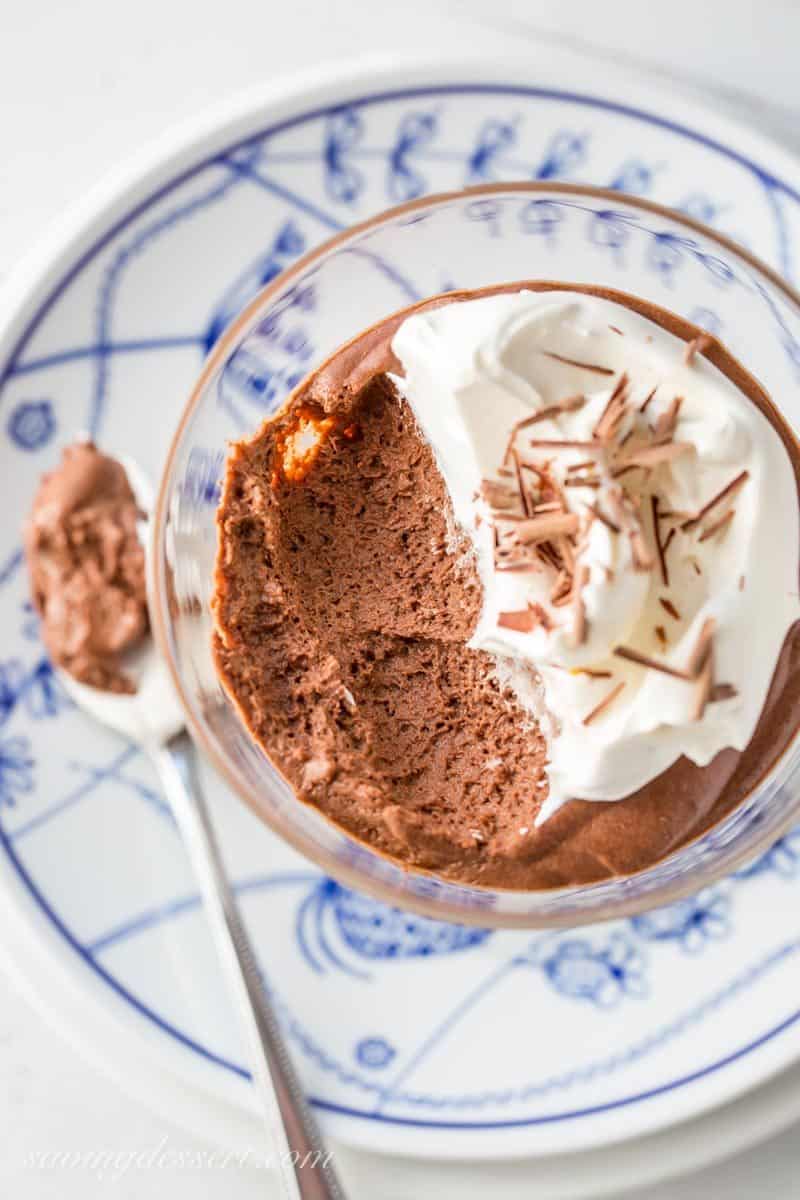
(153, 718)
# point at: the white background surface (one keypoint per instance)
(83, 84)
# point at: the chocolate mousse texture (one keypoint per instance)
(345, 596)
(86, 567)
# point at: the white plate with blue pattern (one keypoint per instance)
(412, 1036)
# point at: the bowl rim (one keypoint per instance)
(437, 909)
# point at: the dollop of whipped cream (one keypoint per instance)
(635, 521)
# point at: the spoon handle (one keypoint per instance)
(305, 1165)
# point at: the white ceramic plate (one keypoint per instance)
(412, 1037)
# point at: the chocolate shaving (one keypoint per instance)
(574, 362)
(560, 444)
(523, 620)
(507, 535)
(669, 607)
(661, 634)
(621, 512)
(668, 538)
(644, 660)
(498, 495)
(591, 672)
(614, 329)
(642, 558)
(579, 481)
(579, 608)
(582, 466)
(509, 553)
(604, 518)
(662, 558)
(717, 526)
(723, 494)
(568, 404)
(508, 543)
(625, 514)
(704, 684)
(566, 549)
(654, 455)
(561, 592)
(666, 423)
(604, 703)
(618, 472)
(646, 402)
(522, 565)
(722, 691)
(546, 481)
(696, 346)
(546, 414)
(523, 494)
(702, 647)
(621, 387)
(542, 615)
(544, 527)
(549, 555)
(609, 420)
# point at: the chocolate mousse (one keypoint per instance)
(516, 654)
(86, 567)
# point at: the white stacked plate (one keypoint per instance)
(414, 1038)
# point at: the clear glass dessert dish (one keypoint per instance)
(467, 240)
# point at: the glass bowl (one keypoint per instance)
(470, 239)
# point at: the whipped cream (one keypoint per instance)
(648, 420)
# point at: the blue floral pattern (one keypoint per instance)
(333, 919)
(405, 181)
(37, 687)
(601, 975)
(690, 923)
(783, 859)
(288, 243)
(635, 177)
(32, 424)
(343, 181)
(495, 137)
(374, 1053)
(16, 769)
(566, 151)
